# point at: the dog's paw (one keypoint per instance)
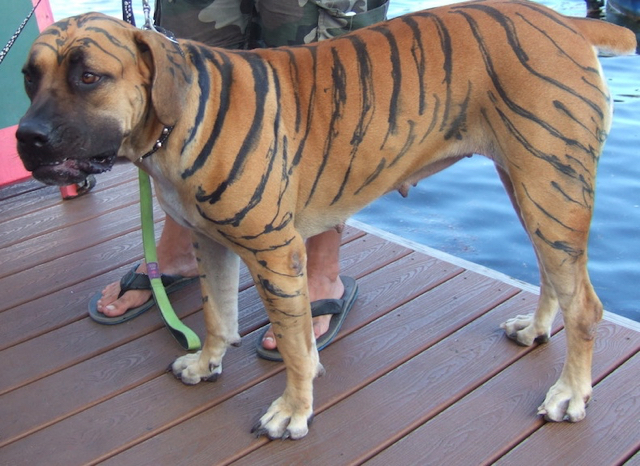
(562, 403)
(192, 369)
(522, 330)
(281, 421)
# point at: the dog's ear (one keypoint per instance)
(170, 77)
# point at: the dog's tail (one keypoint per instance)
(607, 38)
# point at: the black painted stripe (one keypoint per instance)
(396, 76)
(568, 198)
(512, 37)
(447, 64)
(242, 243)
(561, 51)
(459, 123)
(419, 58)
(204, 84)
(258, 192)
(563, 168)
(295, 85)
(495, 78)
(261, 88)
(339, 98)
(372, 177)
(365, 80)
(274, 290)
(547, 214)
(561, 246)
(310, 110)
(220, 61)
(407, 144)
(434, 118)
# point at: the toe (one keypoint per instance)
(321, 325)
(129, 300)
(269, 340)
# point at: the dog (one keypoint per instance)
(255, 151)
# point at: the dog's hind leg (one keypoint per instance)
(219, 275)
(525, 329)
(558, 226)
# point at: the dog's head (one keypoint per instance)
(99, 88)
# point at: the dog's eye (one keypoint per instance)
(28, 77)
(29, 82)
(89, 78)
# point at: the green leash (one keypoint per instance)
(183, 334)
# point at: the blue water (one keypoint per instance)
(465, 212)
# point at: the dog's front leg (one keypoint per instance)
(281, 280)
(219, 272)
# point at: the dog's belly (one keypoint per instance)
(313, 224)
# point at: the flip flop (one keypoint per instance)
(339, 308)
(136, 281)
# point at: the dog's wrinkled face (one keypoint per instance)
(77, 77)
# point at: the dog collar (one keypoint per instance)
(166, 131)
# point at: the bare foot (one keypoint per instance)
(175, 257)
(112, 306)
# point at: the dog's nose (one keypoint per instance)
(33, 134)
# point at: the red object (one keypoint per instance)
(11, 168)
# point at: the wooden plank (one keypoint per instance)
(35, 199)
(69, 213)
(90, 381)
(406, 396)
(20, 188)
(62, 346)
(53, 276)
(48, 196)
(603, 437)
(242, 370)
(49, 312)
(634, 460)
(52, 311)
(82, 340)
(65, 240)
(69, 345)
(502, 413)
(382, 344)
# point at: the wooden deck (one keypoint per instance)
(420, 374)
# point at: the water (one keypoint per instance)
(464, 210)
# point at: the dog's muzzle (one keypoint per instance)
(52, 161)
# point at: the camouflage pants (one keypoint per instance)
(243, 23)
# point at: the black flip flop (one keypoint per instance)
(339, 308)
(136, 281)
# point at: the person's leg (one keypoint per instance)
(323, 269)
(175, 257)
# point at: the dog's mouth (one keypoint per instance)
(71, 170)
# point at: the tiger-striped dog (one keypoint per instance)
(264, 148)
